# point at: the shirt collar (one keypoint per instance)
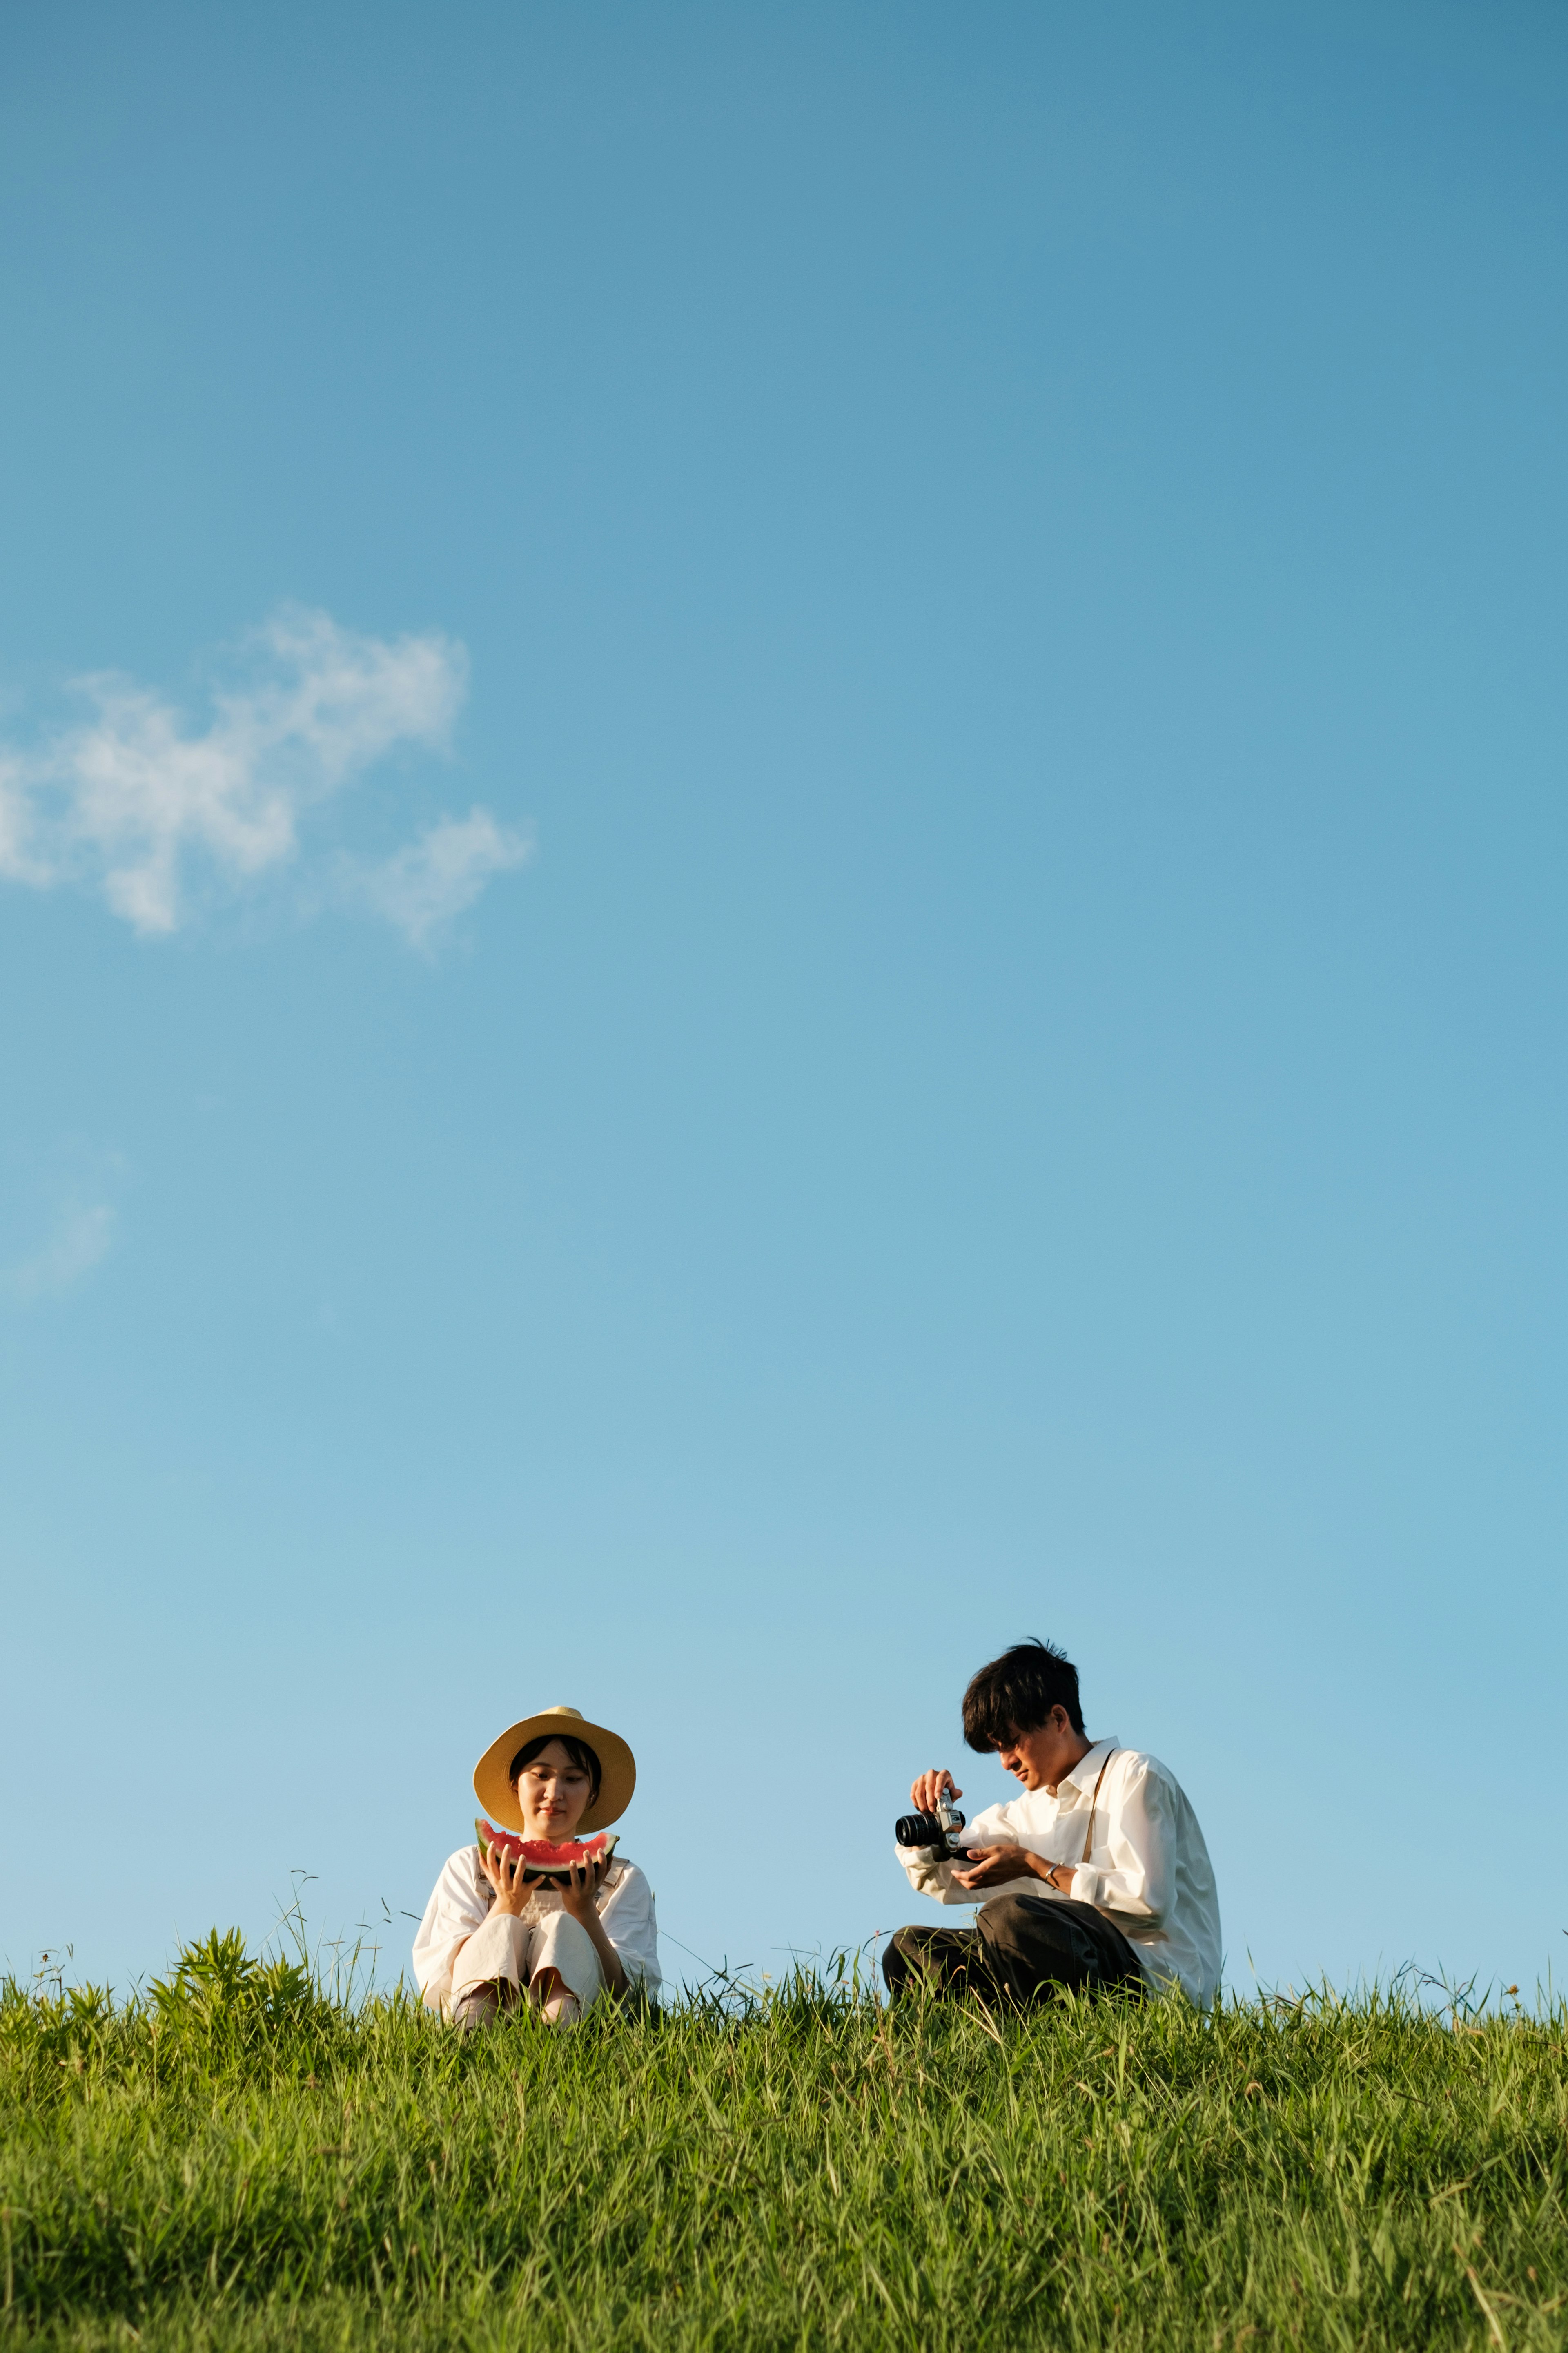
(1086, 1772)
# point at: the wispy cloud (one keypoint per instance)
(136, 803)
(422, 887)
(82, 1236)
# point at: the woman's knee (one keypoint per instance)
(565, 1953)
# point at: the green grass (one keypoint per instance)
(239, 2161)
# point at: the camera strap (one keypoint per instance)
(1089, 1834)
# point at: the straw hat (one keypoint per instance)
(618, 1768)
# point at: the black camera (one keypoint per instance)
(932, 1832)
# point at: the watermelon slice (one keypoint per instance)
(541, 1858)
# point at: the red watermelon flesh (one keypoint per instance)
(541, 1858)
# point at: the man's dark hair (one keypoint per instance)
(580, 1753)
(1016, 1693)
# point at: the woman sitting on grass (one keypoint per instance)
(490, 1938)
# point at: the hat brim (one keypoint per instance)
(617, 1769)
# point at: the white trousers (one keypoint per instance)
(503, 1956)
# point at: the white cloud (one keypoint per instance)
(140, 806)
(434, 878)
(82, 1236)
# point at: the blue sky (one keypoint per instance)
(806, 910)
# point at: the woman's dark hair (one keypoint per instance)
(580, 1753)
(1016, 1693)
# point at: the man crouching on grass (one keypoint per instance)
(1108, 1881)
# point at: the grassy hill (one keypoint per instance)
(240, 2161)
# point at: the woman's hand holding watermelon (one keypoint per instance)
(579, 1886)
(504, 1872)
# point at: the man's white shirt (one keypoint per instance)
(1148, 1868)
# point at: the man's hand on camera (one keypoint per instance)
(992, 1866)
(927, 1787)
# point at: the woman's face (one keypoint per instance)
(553, 1794)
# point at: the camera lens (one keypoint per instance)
(919, 1830)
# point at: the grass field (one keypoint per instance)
(240, 2161)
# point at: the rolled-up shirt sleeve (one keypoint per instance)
(1138, 1877)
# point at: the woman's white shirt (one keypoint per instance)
(1148, 1868)
(461, 1900)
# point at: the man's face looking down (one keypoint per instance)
(1039, 1758)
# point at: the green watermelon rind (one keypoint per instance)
(602, 1842)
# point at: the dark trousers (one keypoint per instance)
(1021, 1947)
